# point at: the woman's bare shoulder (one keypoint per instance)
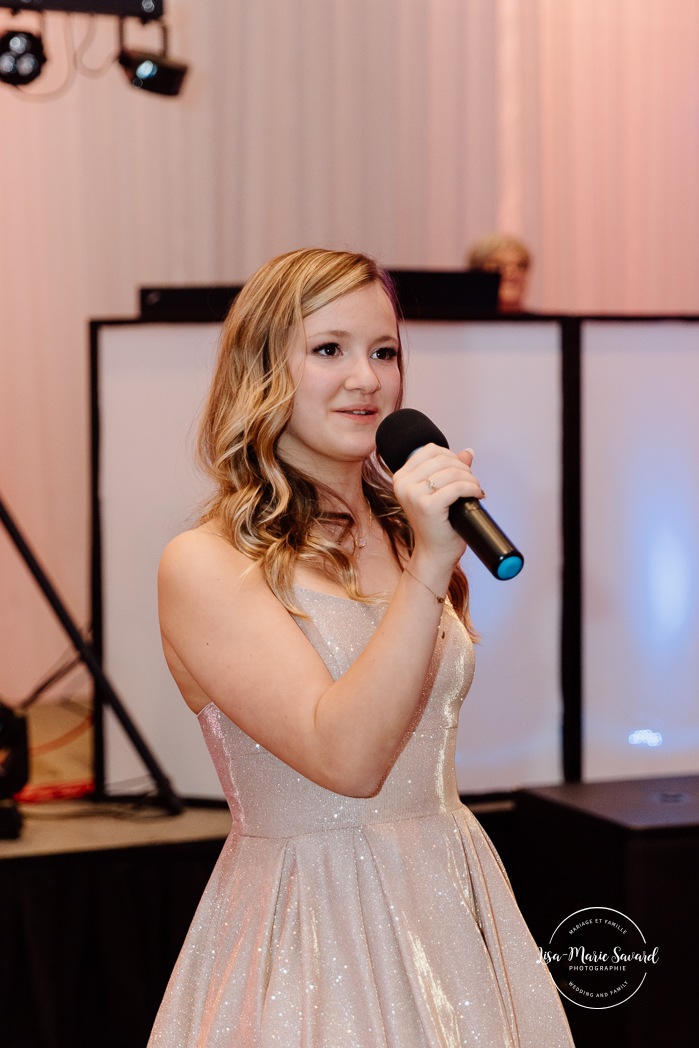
(202, 549)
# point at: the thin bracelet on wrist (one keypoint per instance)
(440, 600)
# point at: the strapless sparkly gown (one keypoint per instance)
(337, 922)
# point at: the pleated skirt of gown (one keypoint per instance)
(337, 922)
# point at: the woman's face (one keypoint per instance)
(344, 362)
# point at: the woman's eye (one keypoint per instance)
(385, 353)
(328, 349)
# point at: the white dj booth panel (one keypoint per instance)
(640, 397)
(494, 387)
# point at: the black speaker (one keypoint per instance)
(630, 846)
(14, 769)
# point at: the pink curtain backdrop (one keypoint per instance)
(405, 128)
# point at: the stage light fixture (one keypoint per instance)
(150, 70)
(22, 57)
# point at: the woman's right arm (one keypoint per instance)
(226, 634)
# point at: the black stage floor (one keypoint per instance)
(96, 900)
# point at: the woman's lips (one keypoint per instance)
(359, 414)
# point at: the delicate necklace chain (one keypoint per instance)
(360, 540)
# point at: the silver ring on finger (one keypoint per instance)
(430, 484)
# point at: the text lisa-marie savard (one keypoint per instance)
(616, 956)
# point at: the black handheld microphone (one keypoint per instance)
(402, 433)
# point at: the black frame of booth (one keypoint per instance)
(420, 299)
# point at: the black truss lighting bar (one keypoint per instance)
(145, 10)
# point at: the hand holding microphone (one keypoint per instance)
(402, 433)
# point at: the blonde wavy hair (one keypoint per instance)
(269, 510)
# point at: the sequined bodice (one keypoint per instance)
(269, 799)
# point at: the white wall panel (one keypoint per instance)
(640, 527)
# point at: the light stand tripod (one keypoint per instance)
(165, 795)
